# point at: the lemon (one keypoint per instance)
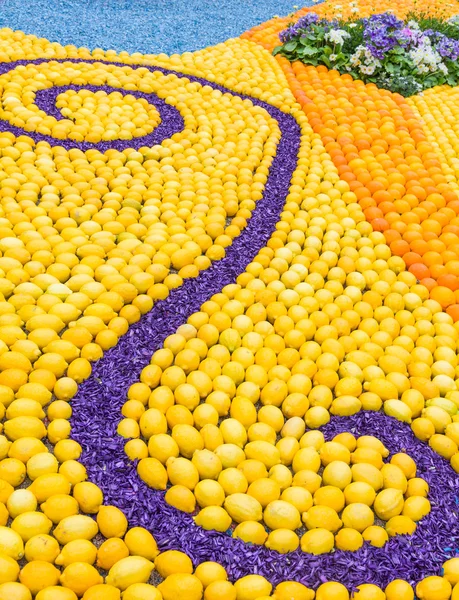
(283, 541)
(264, 452)
(110, 552)
(181, 497)
(9, 569)
(375, 535)
(367, 473)
(77, 551)
(434, 588)
(141, 591)
(208, 572)
(45, 486)
(332, 591)
(233, 432)
(443, 445)
(322, 517)
(233, 481)
(41, 547)
(337, 474)
(406, 464)
(6, 489)
(42, 463)
(451, 570)
(251, 532)
(209, 493)
(152, 472)
(74, 528)
(317, 541)
(172, 562)
(26, 447)
(181, 586)
(292, 589)
(20, 427)
(252, 587)
(220, 590)
(102, 592)
(416, 508)
(89, 497)
(13, 471)
(399, 590)
(299, 497)
(253, 470)
(242, 507)
(59, 506)
(213, 517)
(281, 475)
(38, 575)
(359, 491)
(207, 463)
(29, 524)
(307, 479)
(79, 577)
(306, 458)
(388, 503)
(15, 591)
(345, 406)
(11, 543)
(348, 539)
(357, 516)
(417, 487)
(334, 451)
(21, 501)
(180, 471)
(368, 591)
(55, 592)
(111, 522)
(330, 496)
(400, 525)
(140, 542)
(129, 570)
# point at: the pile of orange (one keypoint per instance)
(378, 143)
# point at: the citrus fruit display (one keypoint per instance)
(229, 322)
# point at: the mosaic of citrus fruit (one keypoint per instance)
(229, 326)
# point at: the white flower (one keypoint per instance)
(355, 10)
(352, 25)
(337, 36)
(333, 57)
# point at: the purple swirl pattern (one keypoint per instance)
(97, 406)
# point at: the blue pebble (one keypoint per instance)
(147, 26)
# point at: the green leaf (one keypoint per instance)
(327, 51)
(290, 46)
(278, 50)
(310, 51)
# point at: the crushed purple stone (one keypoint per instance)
(96, 413)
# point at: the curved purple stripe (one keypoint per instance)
(171, 119)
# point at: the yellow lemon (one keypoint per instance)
(43, 463)
(110, 552)
(252, 587)
(388, 504)
(11, 543)
(45, 486)
(375, 535)
(111, 522)
(292, 589)
(181, 586)
(220, 590)
(348, 539)
(55, 592)
(21, 501)
(141, 591)
(337, 474)
(208, 572)
(181, 497)
(317, 541)
(79, 577)
(406, 464)
(102, 592)
(368, 474)
(77, 551)
(29, 524)
(416, 507)
(213, 517)
(242, 507)
(41, 547)
(172, 562)
(251, 532)
(14, 591)
(89, 496)
(434, 588)
(152, 472)
(209, 493)
(451, 570)
(38, 575)
(59, 507)
(359, 491)
(368, 591)
(283, 541)
(299, 497)
(129, 570)
(74, 528)
(400, 525)
(9, 569)
(180, 471)
(140, 542)
(399, 590)
(357, 516)
(322, 517)
(332, 591)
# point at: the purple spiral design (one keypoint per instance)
(97, 405)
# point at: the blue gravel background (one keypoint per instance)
(147, 26)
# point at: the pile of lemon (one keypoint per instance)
(323, 322)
